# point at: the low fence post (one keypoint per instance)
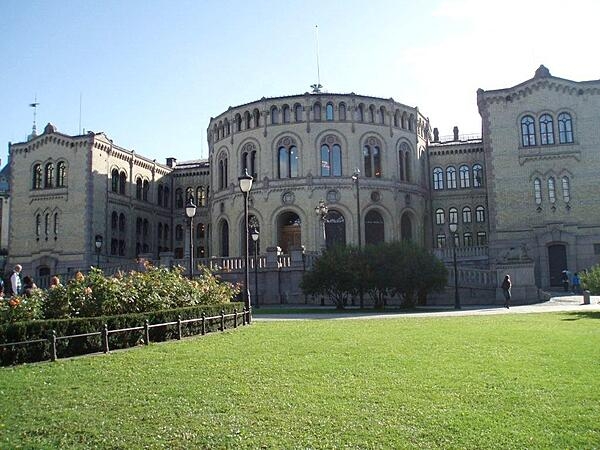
(179, 327)
(222, 320)
(53, 345)
(244, 316)
(105, 338)
(146, 332)
(203, 331)
(234, 317)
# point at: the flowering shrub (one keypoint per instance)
(135, 292)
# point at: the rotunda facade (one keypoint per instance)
(363, 157)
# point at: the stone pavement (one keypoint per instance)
(559, 302)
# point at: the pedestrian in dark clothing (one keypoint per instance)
(506, 285)
(565, 280)
(576, 283)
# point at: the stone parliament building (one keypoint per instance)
(522, 193)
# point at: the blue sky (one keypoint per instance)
(151, 73)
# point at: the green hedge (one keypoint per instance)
(42, 329)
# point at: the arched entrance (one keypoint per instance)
(224, 235)
(374, 228)
(289, 231)
(335, 229)
(557, 262)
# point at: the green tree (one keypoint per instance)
(333, 275)
(590, 279)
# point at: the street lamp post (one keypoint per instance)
(245, 182)
(321, 211)
(98, 243)
(355, 178)
(255, 235)
(453, 233)
(190, 212)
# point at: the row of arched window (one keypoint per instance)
(199, 196)
(551, 187)
(467, 215)
(118, 226)
(50, 176)
(320, 112)
(546, 129)
(467, 177)
(331, 156)
(46, 226)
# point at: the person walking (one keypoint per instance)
(565, 280)
(576, 282)
(15, 280)
(506, 285)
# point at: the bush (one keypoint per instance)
(590, 279)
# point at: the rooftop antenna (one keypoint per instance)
(316, 88)
(34, 105)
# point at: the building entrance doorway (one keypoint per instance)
(290, 235)
(557, 262)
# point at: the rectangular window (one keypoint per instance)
(596, 249)
(441, 241)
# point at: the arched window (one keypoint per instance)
(274, 115)
(179, 233)
(115, 180)
(566, 188)
(37, 177)
(145, 190)
(481, 238)
(238, 122)
(287, 154)
(122, 223)
(179, 198)
(247, 120)
(527, 131)
(372, 158)
(480, 214)
(466, 214)
(47, 225)
(406, 227)
(61, 174)
(382, 115)
(200, 197)
(439, 217)
(249, 159)
(114, 221)
(551, 190)
(167, 198)
(298, 112)
(189, 194)
(38, 226)
(537, 191)
(407, 165)
(371, 114)
(546, 130)
(335, 229)
(565, 128)
(342, 111)
(329, 112)
(374, 228)
(138, 189)
(477, 175)
(360, 113)
(160, 194)
(404, 121)
(404, 162)
(451, 177)
(285, 113)
(411, 123)
(317, 112)
(331, 157)
(453, 215)
(438, 178)
(256, 118)
(397, 119)
(222, 174)
(49, 175)
(122, 182)
(55, 225)
(464, 176)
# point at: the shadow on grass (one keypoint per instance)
(577, 315)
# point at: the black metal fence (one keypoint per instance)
(105, 332)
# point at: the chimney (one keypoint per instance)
(171, 162)
(455, 131)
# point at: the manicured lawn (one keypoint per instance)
(504, 381)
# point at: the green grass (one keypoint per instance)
(500, 381)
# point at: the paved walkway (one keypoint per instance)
(573, 303)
